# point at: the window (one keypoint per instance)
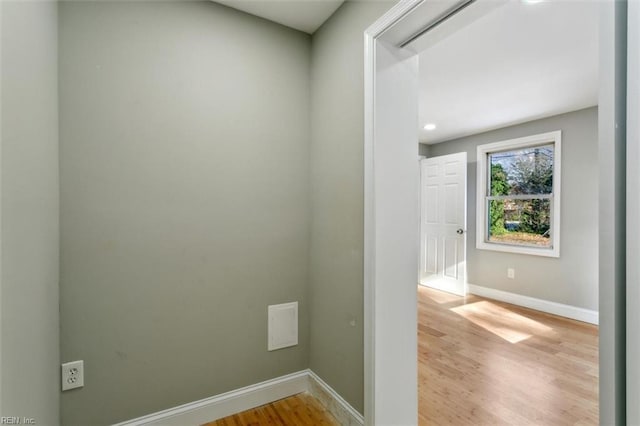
(518, 203)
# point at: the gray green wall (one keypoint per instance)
(29, 214)
(632, 339)
(337, 142)
(572, 278)
(184, 137)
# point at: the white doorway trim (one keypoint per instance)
(386, 399)
(389, 304)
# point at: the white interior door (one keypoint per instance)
(443, 223)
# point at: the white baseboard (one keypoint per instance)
(567, 311)
(226, 404)
(344, 413)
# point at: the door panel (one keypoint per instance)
(431, 253)
(451, 205)
(443, 214)
(451, 257)
(431, 213)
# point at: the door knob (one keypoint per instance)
(460, 231)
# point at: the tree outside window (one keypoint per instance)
(522, 182)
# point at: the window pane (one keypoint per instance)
(522, 222)
(522, 171)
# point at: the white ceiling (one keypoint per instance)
(302, 15)
(521, 61)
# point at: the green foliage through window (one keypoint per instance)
(527, 176)
(499, 186)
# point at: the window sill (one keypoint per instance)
(506, 248)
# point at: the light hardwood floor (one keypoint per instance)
(301, 409)
(483, 362)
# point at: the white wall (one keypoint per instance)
(571, 279)
(392, 212)
(612, 221)
(29, 329)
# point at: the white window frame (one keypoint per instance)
(482, 209)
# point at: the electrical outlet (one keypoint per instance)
(511, 273)
(72, 375)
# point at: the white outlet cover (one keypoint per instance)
(72, 375)
(283, 326)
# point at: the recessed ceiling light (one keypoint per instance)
(533, 1)
(429, 126)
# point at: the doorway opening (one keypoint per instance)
(522, 105)
(392, 79)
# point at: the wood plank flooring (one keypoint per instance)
(483, 362)
(298, 410)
